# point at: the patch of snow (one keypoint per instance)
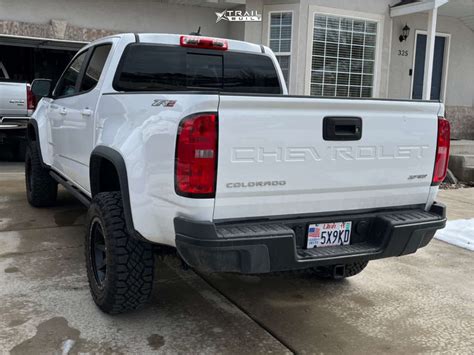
(67, 346)
(459, 232)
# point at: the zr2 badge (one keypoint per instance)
(163, 103)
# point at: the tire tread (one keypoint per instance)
(130, 262)
(44, 189)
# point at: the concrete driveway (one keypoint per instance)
(415, 304)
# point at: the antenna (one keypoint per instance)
(198, 33)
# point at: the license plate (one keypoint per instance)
(329, 234)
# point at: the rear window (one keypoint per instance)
(147, 67)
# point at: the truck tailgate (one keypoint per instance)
(273, 159)
(12, 99)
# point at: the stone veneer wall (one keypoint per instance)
(461, 119)
(57, 29)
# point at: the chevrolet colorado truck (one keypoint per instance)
(192, 145)
(16, 106)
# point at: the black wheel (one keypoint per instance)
(119, 267)
(339, 272)
(41, 188)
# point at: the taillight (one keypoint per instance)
(196, 156)
(203, 42)
(442, 151)
(30, 98)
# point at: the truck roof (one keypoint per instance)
(174, 39)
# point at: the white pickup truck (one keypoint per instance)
(193, 144)
(16, 106)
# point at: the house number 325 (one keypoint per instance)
(403, 52)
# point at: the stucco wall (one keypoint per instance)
(236, 30)
(117, 16)
(461, 119)
(460, 79)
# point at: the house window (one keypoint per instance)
(280, 40)
(343, 57)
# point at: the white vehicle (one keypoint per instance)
(16, 106)
(16, 99)
(193, 143)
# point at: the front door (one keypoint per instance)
(79, 127)
(65, 92)
(74, 130)
(419, 72)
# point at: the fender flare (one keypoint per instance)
(32, 128)
(116, 159)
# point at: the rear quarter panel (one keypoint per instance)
(145, 136)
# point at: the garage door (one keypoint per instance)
(27, 58)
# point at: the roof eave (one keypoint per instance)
(416, 7)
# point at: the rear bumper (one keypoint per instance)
(12, 132)
(21, 121)
(278, 245)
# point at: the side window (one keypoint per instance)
(67, 84)
(95, 66)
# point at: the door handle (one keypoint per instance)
(342, 128)
(86, 112)
(63, 111)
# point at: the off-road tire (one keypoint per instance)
(349, 270)
(41, 188)
(129, 262)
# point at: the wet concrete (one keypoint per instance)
(421, 303)
(51, 335)
(45, 305)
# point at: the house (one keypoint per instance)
(409, 49)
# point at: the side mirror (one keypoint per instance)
(41, 88)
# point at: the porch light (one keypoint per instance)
(405, 33)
